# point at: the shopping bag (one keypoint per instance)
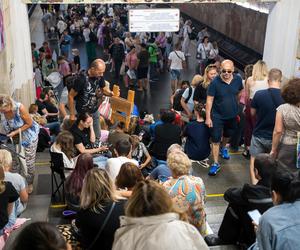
(105, 108)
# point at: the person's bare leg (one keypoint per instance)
(145, 84)
(215, 152)
(140, 85)
(173, 86)
(225, 140)
(252, 173)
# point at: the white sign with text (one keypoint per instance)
(154, 20)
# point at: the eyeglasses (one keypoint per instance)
(224, 71)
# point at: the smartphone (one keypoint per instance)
(255, 215)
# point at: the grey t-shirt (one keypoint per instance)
(16, 180)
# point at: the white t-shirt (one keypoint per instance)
(190, 103)
(176, 58)
(86, 34)
(16, 180)
(113, 165)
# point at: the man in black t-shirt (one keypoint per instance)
(88, 91)
(117, 53)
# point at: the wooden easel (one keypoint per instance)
(122, 108)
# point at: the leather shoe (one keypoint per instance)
(213, 240)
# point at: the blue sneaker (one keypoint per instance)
(214, 169)
(224, 153)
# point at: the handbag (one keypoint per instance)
(105, 109)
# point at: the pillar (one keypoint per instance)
(282, 37)
(16, 75)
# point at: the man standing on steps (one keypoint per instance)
(263, 106)
(222, 111)
(88, 91)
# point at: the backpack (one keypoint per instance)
(69, 80)
(177, 98)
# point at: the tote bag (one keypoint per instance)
(105, 109)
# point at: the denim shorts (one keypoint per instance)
(222, 127)
(259, 146)
(175, 74)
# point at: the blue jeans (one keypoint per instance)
(96, 124)
(54, 127)
(100, 161)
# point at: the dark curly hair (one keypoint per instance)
(291, 92)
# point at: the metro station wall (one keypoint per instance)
(245, 26)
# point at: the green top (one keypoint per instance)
(153, 53)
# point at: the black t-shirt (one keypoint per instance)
(200, 94)
(89, 93)
(143, 56)
(51, 108)
(90, 223)
(81, 136)
(265, 102)
(165, 135)
(8, 196)
(117, 52)
(77, 61)
(41, 106)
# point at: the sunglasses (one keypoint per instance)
(226, 71)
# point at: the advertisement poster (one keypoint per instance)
(1, 30)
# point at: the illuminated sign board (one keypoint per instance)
(153, 20)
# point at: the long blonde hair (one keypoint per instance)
(5, 158)
(260, 71)
(149, 198)
(2, 183)
(206, 81)
(97, 189)
(196, 80)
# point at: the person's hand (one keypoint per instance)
(103, 148)
(190, 115)
(255, 226)
(12, 134)
(274, 153)
(209, 122)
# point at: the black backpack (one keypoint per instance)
(177, 98)
(69, 80)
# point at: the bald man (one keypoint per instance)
(222, 111)
(88, 91)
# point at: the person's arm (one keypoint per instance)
(92, 133)
(277, 133)
(253, 112)
(80, 147)
(209, 103)
(148, 157)
(27, 121)
(23, 195)
(185, 107)
(71, 95)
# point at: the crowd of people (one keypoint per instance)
(138, 190)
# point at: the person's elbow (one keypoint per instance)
(24, 196)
